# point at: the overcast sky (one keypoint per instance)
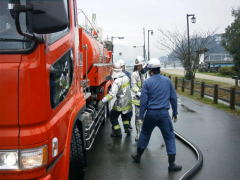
(128, 17)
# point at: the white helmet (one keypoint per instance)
(121, 62)
(139, 61)
(154, 63)
(117, 70)
(117, 67)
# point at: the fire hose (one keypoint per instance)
(198, 165)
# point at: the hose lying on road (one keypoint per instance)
(191, 172)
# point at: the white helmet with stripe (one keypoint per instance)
(139, 61)
(117, 70)
(117, 67)
(121, 62)
(154, 63)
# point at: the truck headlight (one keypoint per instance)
(9, 160)
(23, 159)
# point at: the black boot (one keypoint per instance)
(172, 166)
(116, 133)
(127, 131)
(137, 157)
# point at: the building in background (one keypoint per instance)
(214, 58)
(217, 56)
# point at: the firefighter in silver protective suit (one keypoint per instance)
(137, 79)
(122, 105)
(123, 65)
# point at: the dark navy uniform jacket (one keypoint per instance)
(128, 75)
(157, 93)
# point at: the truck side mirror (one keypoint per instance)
(48, 16)
(43, 16)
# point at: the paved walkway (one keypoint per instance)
(202, 76)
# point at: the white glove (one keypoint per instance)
(140, 122)
(174, 118)
(138, 94)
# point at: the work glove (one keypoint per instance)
(100, 104)
(138, 94)
(174, 118)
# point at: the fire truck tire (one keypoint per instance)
(77, 171)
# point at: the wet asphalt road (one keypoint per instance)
(215, 132)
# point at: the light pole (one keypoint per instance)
(193, 19)
(149, 31)
(144, 47)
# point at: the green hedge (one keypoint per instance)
(227, 71)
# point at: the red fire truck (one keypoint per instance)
(52, 75)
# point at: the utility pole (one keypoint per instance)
(148, 43)
(193, 21)
(144, 48)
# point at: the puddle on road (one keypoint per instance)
(187, 109)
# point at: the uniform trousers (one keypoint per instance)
(126, 118)
(158, 118)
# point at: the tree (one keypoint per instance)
(177, 44)
(231, 40)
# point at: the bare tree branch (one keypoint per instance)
(176, 44)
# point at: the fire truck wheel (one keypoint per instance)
(76, 171)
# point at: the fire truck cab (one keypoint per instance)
(52, 75)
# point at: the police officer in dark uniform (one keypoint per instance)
(156, 96)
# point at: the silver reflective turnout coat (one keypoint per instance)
(136, 83)
(121, 90)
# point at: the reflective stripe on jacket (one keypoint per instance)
(136, 81)
(121, 90)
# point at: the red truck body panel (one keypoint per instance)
(27, 118)
(96, 59)
(9, 129)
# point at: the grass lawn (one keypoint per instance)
(214, 74)
(210, 82)
(210, 102)
(207, 100)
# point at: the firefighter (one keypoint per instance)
(157, 95)
(122, 64)
(137, 79)
(122, 106)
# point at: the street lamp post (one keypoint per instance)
(149, 31)
(144, 47)
(193, 19)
